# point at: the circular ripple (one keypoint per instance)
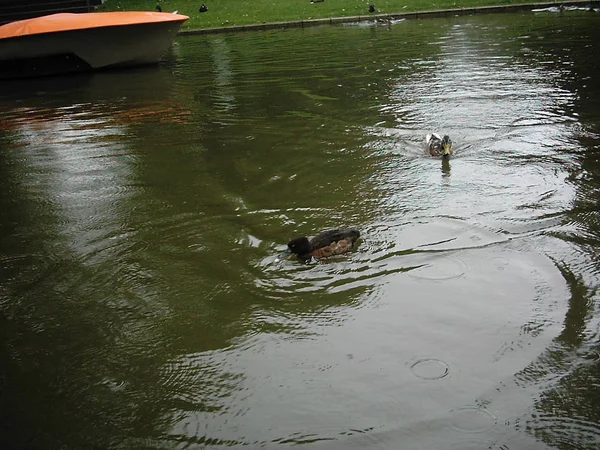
(473, 443)
(114, 385)
(442, 268)
(430, 369)
(471, 419)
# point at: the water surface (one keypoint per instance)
(142, 303)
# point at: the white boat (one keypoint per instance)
(66, 42)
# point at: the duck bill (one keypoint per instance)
(447, 151)
(285, 254)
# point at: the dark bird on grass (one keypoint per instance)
(438, 146)
(323, 245)
(203, 8)
(372, 8)
(158, 8)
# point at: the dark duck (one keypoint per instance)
(323, 245)
(439, 146)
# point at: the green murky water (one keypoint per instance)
(142, 304)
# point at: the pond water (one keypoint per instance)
(142, 302)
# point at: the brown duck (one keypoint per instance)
(325, 244)
(439, 146)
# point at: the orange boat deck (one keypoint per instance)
(55, 23)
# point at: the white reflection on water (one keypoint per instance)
(75, 163)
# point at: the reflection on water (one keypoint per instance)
(142, 303)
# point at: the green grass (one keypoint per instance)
(244, 12)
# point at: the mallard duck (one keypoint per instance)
(323, 245)
(439, 146)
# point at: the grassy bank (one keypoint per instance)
(244, 12)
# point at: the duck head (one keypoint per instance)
(299, 246)
(446, 147)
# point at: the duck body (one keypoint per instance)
(325, 244)
(438, 146)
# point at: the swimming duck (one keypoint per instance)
(327, 243)
(439, 146)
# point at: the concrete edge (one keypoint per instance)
(388, 17)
